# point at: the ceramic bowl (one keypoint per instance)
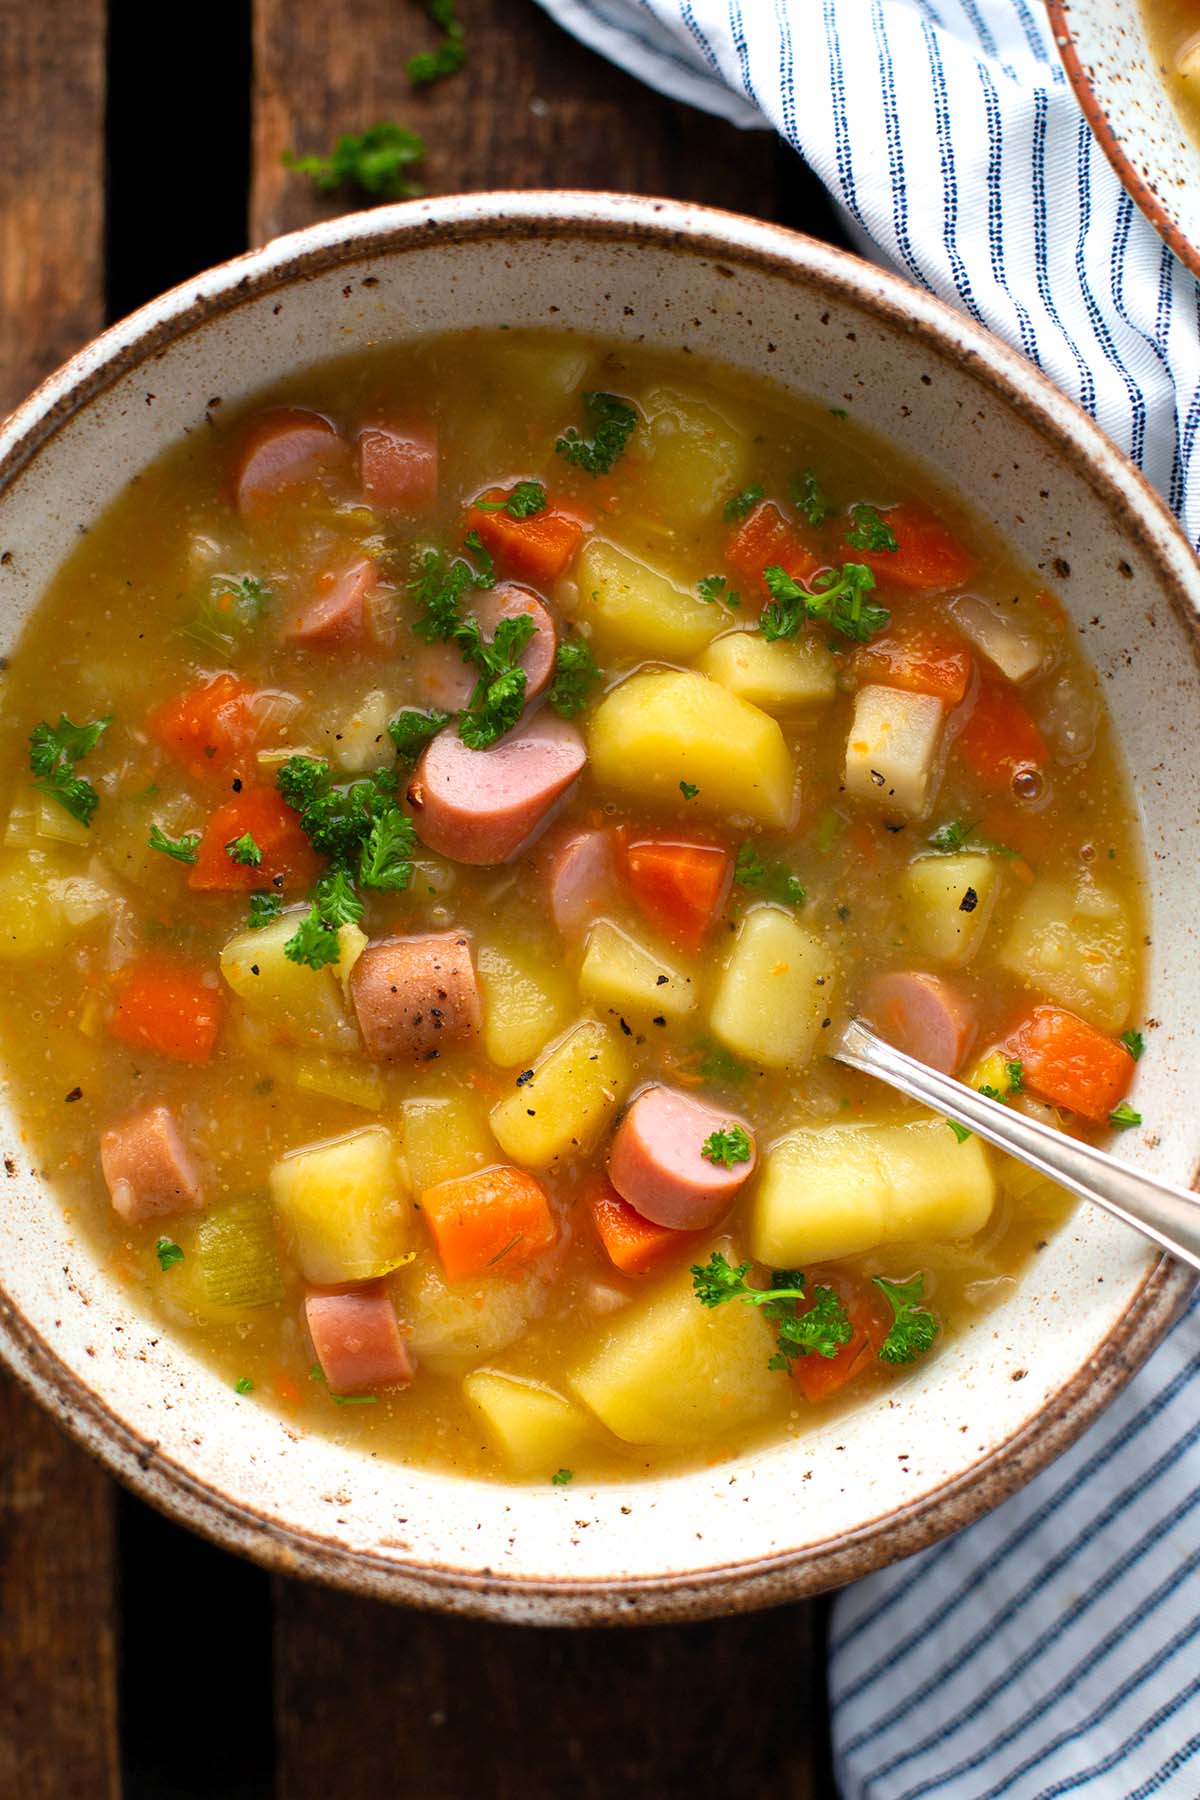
(1007, 1393)
(1112, 67)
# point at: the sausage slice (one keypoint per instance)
(482, 806)
(398, 467)
(338, 612)
(923, 1015)
(357, 1340)
(283, 449)
(582, 880)
(147, 1169)
(416, 996)
(446, 680)
(656, 1164)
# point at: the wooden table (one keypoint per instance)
(135, 1659)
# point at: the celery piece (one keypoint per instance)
(235, 1249)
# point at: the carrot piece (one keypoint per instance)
(538, 549)
(632, 1244)
(1070, 1063)
(1000, 738)
(288, 859)
(766, 537)
(680, 887)
(167, 1007)
(928, 558)
(209, 729)
(921, 658)
(818, 1377)
(494, 1220)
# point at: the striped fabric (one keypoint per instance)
(1054, 1647)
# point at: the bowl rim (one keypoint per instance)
(731, 239)
(1129, 173)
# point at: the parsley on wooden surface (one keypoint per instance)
(913, 1326)
(728, 1147)
(526, 500)
(838, 598)
(576, 673)
(264, 908)
(773, 880)
(870, 530)
(820, 1331)
(740, 504)
(811, 499)
(411, 730)
(183, 849)
(714, 590)
(613, 422)
(54, 751)
(1135, 1043)
(245, 851)
(378, 160)
(1124, 1117)
(168, 1253)
(448, 55)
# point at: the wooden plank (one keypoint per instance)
(57, 1665)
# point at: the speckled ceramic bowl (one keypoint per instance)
(1115, 74)
(1005, 1395)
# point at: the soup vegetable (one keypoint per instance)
(452, 808)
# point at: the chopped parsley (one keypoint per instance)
(527, 499)
(313, 942)
(1135, 1043)
(718, 1064)
(715, 591)
(688, 789)
(438, 587)
(369, 841)
(264, 908)
(870, 530)
(913, 1326)
(1124, 1117)
(498, 698)
(576, 673)
(811, 499)
(54, 751)
(243, 1385)
(168, 1253)
(740, 504)
(448, 55)
(1016, 1077)
(820, 1331)
(183, 849)
(773, 880)
(960, 834)
(961, 1132)
(613, 422)
(561, 1477)
(411, 730)
(838, 598)
(245, 851)
(725, 1148)
(377, 160)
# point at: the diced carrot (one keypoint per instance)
(680, 887)
(818, 1377)
(921, 658)
(209, 729)
(263, 815)
(489, 1222)
(1000, 737)
(765, 537)
(538, 549)
(1070, 1063)
(632, 1244)
(928, 558)
(168, 1007)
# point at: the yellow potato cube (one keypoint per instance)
(834, 1190)
(576, 1087)
(1072, 943)
(661, 727)
(356, 1084)
(33, 918)
(445, 1136)
(775, 991)
(786, 676)
(533, 1426)
(526, 1000)
(622, 972)
(631, 606)
(299, 1004)
(536, 377)
(690, 460)
(892, 749)
(345, 1206)
(450, 1328)
(948, 902)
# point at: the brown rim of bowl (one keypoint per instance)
(1160, 1296)
(1135, 183)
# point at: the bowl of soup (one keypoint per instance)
(490, 687)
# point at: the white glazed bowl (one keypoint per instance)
(1006, 1394)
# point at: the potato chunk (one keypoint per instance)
(1072, 942)
(623, 972)
(526, 999)
(631, 606)
(445, 1136)
(299, 1004)
(689, 459)
(36, 914)
(533, 1426)
(452, 1327)
(775, 991)
(892, 749)
(948, 901)
(670, 1371)
(345, 1206)
(789, 675)
(835, 1190)
(575, 1088)
(661, 727)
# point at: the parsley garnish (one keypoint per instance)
(727, 1147)
(437, 590)
(820, 1331)
(913, 1327)
(245, 851)
(498, 699)
(740, 504)
(614, 422)
(377, 160)
(1135, 1043)
(715, 590)
(773, 880)
(526, 499)
(811, 498)
(576, 672)
(54, 751)
(168, 1253)
(688, 789)
(870, 530)
(1016, 1077)
(313, 942)
(264, 908)
(1123, 1117)
(717, 1064)
(368, 839)
(840, 600)
(448, 56)
(411, 730)
(958, 835)
(183, 849)
(961, 1132)
(561, 1477)
(386, 860)
(243, 1385)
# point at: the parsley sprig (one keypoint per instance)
(870, 530)
(377, 160)
(613, 422)
(714, 590)
(576, 674)
(960, 834)
(740, 504)
(412, 729)
(440, 584)
(811, 499)
(837, 597)
(183, 849)
(245, 851)
(448, 55)
(913, 1326)
(498, 698)
(727, 1147)
(367, 838)
(525, 501)
(54, 751)
(821, 1331)
(770, 879)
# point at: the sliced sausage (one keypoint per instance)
(656, 1160)
(446, 680)
(415, 997)
(923, 1015)
(282, 450)
(398, 467)
(147, 1169)
(482, 806)
(337, 613)
(358, 1342)
(582, 879)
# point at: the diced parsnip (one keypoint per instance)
(39, 820)
(776, 990)
(629, 975)
(689, 459)
(892, 749)
(34, 884)
(526, 1001)
(630, 606)
(445, 1136)
(576, 1087)
(670, 1371)
(534, 1427)
(537, 377)
(357, 739)
(785, 676)
(1017, 652)
(1071, 942)
(127, 849)
(352, 941)
(357, 1084)
(661, 727)
(235, 1255)
(452, 1327)
(835, 1190)
(345, 1206)
(299, 1003)
(21, 828)
(948, 902)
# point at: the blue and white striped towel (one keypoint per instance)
(1052, 1648)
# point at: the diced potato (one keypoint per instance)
(1072, 943)
(526, 1000)
(623, 972)
(299, 1003)
(670, 1371)
(661, 727)
(1017, 653)
(452, 1327)
(445, 1136)
(576, 1087)
(786, 676)
(991, 1071)
(357, 739)
(631, 606)
(345, 1206)
(892, 749)
(537, 377)
(357, 1084)
(948, 902)
(835, 1190)
(534, 1427)
(775, 991)
(352, 941)
(35, 915)
(690, 460)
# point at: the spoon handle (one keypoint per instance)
(1169, 1215)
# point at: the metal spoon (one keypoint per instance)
(1167, 1214)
